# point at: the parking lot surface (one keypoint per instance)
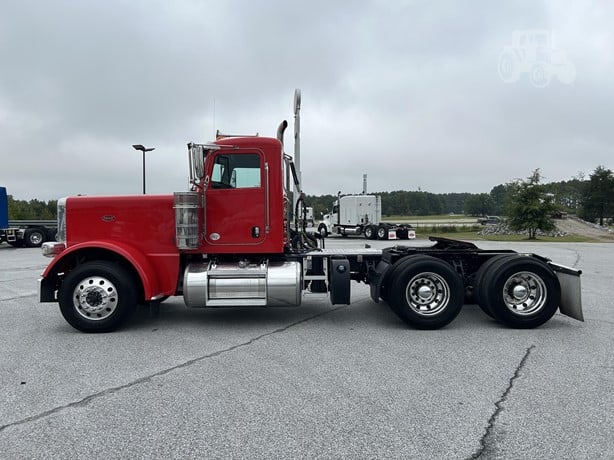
(315, 381)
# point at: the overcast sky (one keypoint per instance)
(412, 93)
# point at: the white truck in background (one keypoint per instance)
(362, 215)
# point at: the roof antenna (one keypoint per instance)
(213, 119)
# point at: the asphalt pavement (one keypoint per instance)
(315, 381)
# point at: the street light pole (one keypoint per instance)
(143, 149)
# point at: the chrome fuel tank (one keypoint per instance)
(230, 284)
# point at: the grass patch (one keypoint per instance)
(462, 235)
(420, 218)
(447, 228)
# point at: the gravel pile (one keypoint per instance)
(604, 228)
(504, 229)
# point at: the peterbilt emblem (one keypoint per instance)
(108, 218)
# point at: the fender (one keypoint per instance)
(377, 279)
(152, 287)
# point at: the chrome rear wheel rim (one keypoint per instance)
(427, 294)
(525, 293)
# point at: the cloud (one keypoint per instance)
(407, 92)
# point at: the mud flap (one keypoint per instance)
(571, 291)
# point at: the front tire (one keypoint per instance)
(322, 230)
(97, 296)
(426, 292)
(521, 292)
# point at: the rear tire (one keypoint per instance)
(382, 232)
(426, 292)
(480, 287)
(34, 237)
(370, 232)
(97, 296)
(52, 234)
(521, 292)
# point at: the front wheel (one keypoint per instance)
(97, 296)
(322, 230)
(426, 292)
(520, 291)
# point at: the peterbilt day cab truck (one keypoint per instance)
(28, 233)
(362, 215)
(235, 238)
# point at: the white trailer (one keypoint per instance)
(362, 215)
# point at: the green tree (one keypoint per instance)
(567, 194)
(320, 204)
(498, 195)
(454, 202)
(599, 196)
(479, 204)
(529, 207)
(31, 210)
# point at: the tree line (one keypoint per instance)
(591, 198)
(32, 209)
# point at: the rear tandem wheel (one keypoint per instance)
(520, 291)
(425, 292)
(480, 286)
(370, 232)
(34, 237)
(382, 232)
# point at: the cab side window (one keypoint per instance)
(236, 171)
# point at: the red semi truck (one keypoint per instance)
(236, 238)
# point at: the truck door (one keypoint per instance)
(235, 209)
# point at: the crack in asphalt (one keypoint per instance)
(485, 442)
(12, 280)
(32, 267)
(578, 257)
(23, 296)
(148, 378)
(598, 320)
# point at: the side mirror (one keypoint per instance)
(197, 163)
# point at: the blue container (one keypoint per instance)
(4, 208)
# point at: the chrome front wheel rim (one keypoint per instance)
(95, 298)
